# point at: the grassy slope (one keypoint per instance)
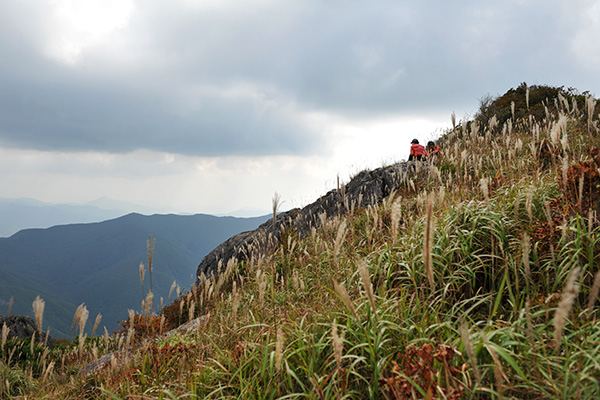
(474, 283)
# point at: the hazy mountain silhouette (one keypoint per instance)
(18, 214)
(98, 263)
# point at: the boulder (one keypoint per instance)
(22, 327)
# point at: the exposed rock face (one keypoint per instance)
(22, 327)
(366, 188)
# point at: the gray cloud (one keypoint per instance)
(240, 80)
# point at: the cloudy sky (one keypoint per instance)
(213, 105)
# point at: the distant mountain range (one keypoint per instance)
(98, 264)
(18, 214)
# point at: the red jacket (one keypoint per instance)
(417, 149)
(436, 149)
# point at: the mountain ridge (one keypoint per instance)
(98, 263)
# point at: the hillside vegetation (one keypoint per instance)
(476, 280)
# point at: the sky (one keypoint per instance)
(212, 106)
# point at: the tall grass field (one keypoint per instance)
(476, 280)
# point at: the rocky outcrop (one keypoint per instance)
(22, 327)
(366, 188)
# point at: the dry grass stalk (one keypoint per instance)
(5, 331)
(565, 168)
(181, 305)
(150, 246)
(148, 304)
(396, 214)
(275, 202)
(590, 103)
(526, 246)
(466, 338)
(580, 192)
(453, 119)
(483, 183)
(338, 344)
(235, 303)
(512, 109)
(498, 371)
(341, 291)
(261, 280)
(191, 310)
(339, 240)
(492, 123)
(428, 242)
(48, 371)
(96, 323)
(365, 276)
(529, 322)
(173, 286)
(564, 306)
(548, 214)
(527, 98)
(10, 303)
(79, 320)
(142, 274)
(594, 293)
(279, 348)
(32, 343)
(38, 311)
(106, 338)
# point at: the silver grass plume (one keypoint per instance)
(38, 310)
(428, 242)
(566, 302)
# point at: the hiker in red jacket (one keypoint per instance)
(433, 149)
(417, 151)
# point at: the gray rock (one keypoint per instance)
(23, 327)
(365, 189)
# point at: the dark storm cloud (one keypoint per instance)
(87, 117)
(220, 80)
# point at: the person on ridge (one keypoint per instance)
(432, 148)
(417, 151)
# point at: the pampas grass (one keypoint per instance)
(594, 293)
(364, 275)
(466, 339)
(428, 242)
(5, 331)
(564, 306)
(337, 341)
(96, 323)
(38, 311)
(142, 273)
(275, 203)
(590, 105)
(279, 348)
(274, 312)
(341, 291)
(150, 247)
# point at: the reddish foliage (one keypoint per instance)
(432, 369)
(173, 313)
(583, 182)
(548, 232)
(145, 326)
